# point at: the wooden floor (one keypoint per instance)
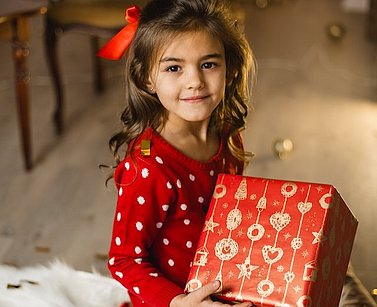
(319, 93)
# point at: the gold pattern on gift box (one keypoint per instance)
(241, 193)
(220, 191)
(227, 248)
(201, 255)
(324, 204)
(296, 243)
(234, 219)
(319, 238)
(246, 269)
(272, 253)
(255, 232)
(287, 248)
(310, 271)
(304, 301)
(210, 225)
(193, 284)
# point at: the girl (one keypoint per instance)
(187, 67)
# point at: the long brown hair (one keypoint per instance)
(160, 21)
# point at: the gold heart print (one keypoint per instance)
(271, 254)
(279, 220)
(304, 207)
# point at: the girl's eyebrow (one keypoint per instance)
(179, 60)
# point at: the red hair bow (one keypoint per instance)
(115, 47)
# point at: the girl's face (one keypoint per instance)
(189, 78)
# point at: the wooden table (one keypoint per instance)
(14, 14)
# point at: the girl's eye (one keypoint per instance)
(174, 68)
(209, 65)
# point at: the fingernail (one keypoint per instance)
(217, 283)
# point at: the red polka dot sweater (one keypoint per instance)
(162, 200)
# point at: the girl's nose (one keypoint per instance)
(194, 80)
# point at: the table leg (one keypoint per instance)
(20, 53)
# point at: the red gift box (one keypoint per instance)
(275, 242)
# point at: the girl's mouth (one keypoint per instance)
(194, 99)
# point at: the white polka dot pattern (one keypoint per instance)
(111, 261)
(141, 200)
(144, 173)
(179, 184)
(118, 241)
(139, 226)
(153, 193)
(138, 260)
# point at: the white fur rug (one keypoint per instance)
(58, 285)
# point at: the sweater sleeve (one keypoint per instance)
(143, 201)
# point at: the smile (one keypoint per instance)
(194, 99)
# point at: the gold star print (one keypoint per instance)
(210, 225)
(246, 269)
(319, 189)
(319, 237)
(305, 253)
(297, 289)
(240, 233)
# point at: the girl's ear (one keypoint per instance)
(150, 86)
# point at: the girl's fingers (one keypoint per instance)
(202, 293)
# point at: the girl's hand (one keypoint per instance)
(201, 297)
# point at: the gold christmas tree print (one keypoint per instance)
(241, 193)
